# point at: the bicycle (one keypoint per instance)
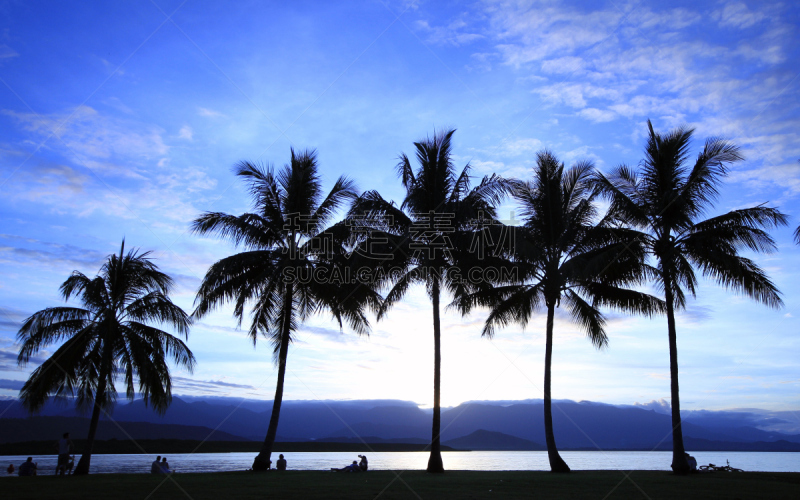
(719, 468)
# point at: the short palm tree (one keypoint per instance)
(564, 257)
(666, 202)
(289, 253)
(110, 336)
(429, 236)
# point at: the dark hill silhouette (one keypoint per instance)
(488, 440)
(14, 430)
(372, 439)
(577, 425)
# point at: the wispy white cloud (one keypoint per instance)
(95, 136)
(597, 115)
(637, 61)
(186, 132)
(209, 113)
(455, 33)
(522, 146)
(737, 15)
(18, 251)
(7, 52)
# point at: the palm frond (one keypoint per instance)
(517, 307)
(250, 230)
(343, 190)
(398, 291)
(588, 317)
(157, 307)
(738, 273)
(50, 326)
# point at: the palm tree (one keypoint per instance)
(428, 236)
(666, 202)
(110, 336)
(562, 257)
(289, 251)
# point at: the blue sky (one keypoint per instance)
(124, 120)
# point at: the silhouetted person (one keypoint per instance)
(350, 468)
(28, 468)
(692, 463)
(363, 465)
(165, 466)
(64, 446)
(155, 467)
(10, 469)
(281, 463)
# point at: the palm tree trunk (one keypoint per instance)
(557, 464)
(83, 464)
(679, 463)
(263, 460)
(435, 461)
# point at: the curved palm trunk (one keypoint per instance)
(679, 463)
(557, 464)
(435, 461)
(263, 460)
(83, 464)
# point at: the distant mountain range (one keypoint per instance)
(474, 425)
(42, 428)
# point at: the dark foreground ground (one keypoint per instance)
(407, 484)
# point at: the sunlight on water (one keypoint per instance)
(455, 460)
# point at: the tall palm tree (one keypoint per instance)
(289, 253)
(110, 336)
(565, 259)
(428, 237)
(666, 202)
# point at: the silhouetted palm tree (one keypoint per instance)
(666, 201)
(290, 252)
(562, 256)
(429, 236)
(108, 337)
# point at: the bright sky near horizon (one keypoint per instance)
(123, 120)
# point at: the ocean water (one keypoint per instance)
(453, 460)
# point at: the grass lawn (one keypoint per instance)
(407, 484)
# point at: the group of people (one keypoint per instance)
(355, 466)
(26, 468)
(66, 461)
(160, 466)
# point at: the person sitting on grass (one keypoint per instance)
(363, 465)
(692, 463)
(281, 463)
(350, 468)
(155, 467)
(165, 466)
(10, 469)
(28, 468)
